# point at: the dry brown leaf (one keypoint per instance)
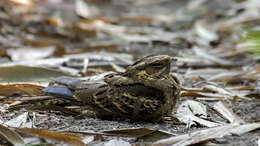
(58, 137)
(206, 95)
(11, 136)
(20, 73)
(20, 89)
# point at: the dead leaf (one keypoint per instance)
(206, 134)
(224, 91)
(209, 57)
(18, 121)
(58, 137)
(136, 132)
(245, 128)
(227, 113)
(11, 136)
(205, 33)
(20, 89)
(115, 142)
(85, 9)
(22, 2)
(30, 53)
(192, 112)
(21, 73)
(195, 137)
(142, 134)
(206, 95)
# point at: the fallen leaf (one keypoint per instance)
(115, 142)
(192, 112)
(21, 73)
(20, 89)
(18, 121)
(245, 128)
(85, 9)
(30, 53)
(227, 113)
(142, 134)
(58, 137)
(136, 132)
(11, 136)
(204, 33)
(207, 134)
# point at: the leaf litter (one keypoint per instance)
(43, 40)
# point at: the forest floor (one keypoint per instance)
(42, 40)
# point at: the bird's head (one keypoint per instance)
(153, 66)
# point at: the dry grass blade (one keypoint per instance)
(34, 98)
(209, 57)
(85, 65)
(194, 89)
(11, 136)
(224, 92)
(245, 128)
(117, 68)
(239, 88)
(204, 32)
(227, 113)
(250, 74)
(195, 137)
(55, 108)
(142, 134)
(146, 2)
(205, 95)
(137, 132)
(58, 137)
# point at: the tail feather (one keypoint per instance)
(59, 91)
(69, 82)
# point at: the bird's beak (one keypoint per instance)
(174, 59)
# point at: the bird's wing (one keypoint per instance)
(74, 89)
(131, 98)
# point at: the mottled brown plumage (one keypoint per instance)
(144, 92)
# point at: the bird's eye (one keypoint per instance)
(157, 65)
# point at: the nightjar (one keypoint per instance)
(144, 92)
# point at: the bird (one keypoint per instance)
(146, 91)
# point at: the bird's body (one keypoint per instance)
(145, 92)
